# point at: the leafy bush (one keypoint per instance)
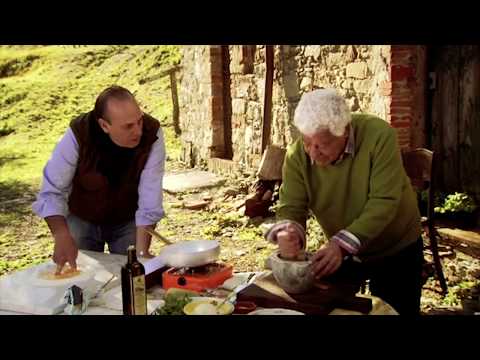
(457, 202)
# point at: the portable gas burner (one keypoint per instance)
(197, 278)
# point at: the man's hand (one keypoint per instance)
(327, 260)
(289, 243)
(65, 250)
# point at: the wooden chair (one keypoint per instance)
(419, 165)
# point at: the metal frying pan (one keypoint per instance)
(191, 253)
(188, 253)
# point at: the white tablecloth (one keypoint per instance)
(111, 302)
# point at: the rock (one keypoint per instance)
(231, 192)
(196, 205)
(364, 54)
(240, 252)
(335, 59)
(254, 110)
(351, 53)
(190, 180)
(362, 86)
(346, 84)
(306, 83)
(176, 205)
(313, 51)
(357, 70)
(242, 89)
(239, 106)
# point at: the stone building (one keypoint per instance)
(225, 94)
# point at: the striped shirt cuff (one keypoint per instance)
(347, 241)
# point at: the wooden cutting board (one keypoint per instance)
(266, 293)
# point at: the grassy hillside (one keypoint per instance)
(42, 88)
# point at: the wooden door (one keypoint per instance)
(455, 116)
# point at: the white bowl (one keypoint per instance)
(226, 308)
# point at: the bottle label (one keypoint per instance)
(139, 295)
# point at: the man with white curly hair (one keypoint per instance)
(347, 170)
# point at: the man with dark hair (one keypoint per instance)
(103, 182)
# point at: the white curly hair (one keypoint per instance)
(322, 109)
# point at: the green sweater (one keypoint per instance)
(368, 194)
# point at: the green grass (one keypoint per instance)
(40, 99)
(42, 88)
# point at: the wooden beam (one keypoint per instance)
(466, 242)
(160, 75)
(176, 110)
(470, 238)
(173, 87)
(267, 105)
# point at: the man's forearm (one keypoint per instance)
(57, 224)
(144, 239)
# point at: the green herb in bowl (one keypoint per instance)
(173, 305)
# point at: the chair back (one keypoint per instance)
(419, 166)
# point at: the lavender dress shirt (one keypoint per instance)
(60, 169)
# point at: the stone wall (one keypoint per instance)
(247, 93)
(362, 73)
(356, 71)
(200, 103)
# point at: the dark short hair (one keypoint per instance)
(116, 92)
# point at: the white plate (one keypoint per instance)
(275, 311)
(35, 279)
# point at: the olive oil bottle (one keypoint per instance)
(134, 293)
